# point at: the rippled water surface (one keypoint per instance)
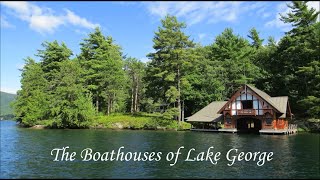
(25, 153)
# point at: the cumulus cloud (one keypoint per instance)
(45, 20)
(76, 20)
(209, 12)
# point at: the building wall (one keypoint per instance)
(276, 123)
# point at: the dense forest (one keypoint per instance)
(181, 77)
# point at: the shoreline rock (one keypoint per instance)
(38, 127)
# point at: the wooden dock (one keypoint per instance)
(207, 130)
(229, 130)
(291, 129)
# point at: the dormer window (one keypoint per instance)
(247, 104)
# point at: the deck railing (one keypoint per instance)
(292, 126)
(246, 112)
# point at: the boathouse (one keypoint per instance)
(248, 110)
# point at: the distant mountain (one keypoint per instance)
(6, 99)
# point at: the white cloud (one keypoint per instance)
(276, 22)
(78, 21)
(315, 5)
(5, 23)
(47, 23)
(44, 20)
(209, 12)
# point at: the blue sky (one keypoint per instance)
(25, 25)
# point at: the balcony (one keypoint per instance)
(250, 112)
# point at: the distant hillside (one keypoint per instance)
(6, 99)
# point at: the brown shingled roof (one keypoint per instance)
(264, 96)
(281, 102)
(208, 113)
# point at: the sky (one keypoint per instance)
(132, 24)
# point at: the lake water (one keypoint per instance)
(25, 153)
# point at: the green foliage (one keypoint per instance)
(297, 59)
(51, 56)
(234, 56)
(52, 90)
(170, 113)
(254, 36)
(136, 72)
(170, 63)
(71, 107)
(103, 75)
(31, 103)
(138, 121)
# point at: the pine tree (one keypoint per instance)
(298, 53)
(135, 70)
(31, 104)
(234, 53)
(170, 61)
(103, 72)
(254, 36)
(72, 105)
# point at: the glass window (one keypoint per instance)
(268, 119)
(248, 104)
(228, 119)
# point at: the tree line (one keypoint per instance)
(181, 77)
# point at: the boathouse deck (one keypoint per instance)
(291, 129)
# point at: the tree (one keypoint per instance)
(297, 54)
(135, 70)
(31, 103)
(72, 106)
(170, 61)
(254, 36)
(51, 56)
(234, 55)
(103, 75)
(205, 81)
(265, 59)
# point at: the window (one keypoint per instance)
(228, 119)
(268, 119)
(247, 104)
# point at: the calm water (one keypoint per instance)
(25, 153)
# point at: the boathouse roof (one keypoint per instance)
(208, 113)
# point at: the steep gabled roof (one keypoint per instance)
(208, 113)
(260, 93)
(264, 96)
